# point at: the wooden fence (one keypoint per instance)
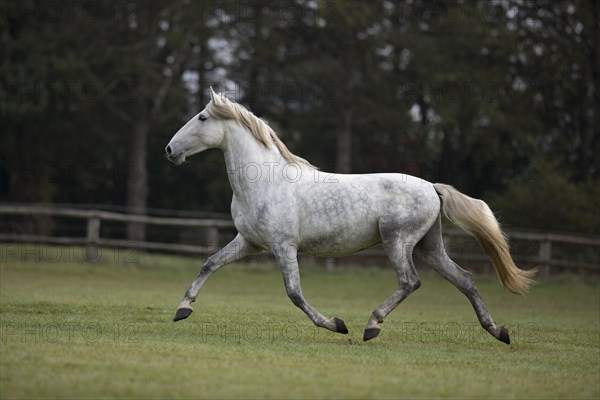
(543, 257)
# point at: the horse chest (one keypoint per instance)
(257, 224)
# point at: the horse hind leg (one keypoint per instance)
(400, 254)
(431, 250)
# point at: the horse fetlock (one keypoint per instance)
(503, 335)
(376, 318)
(499, 332)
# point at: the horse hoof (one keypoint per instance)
(371, 333)
(503, 336)
(340, 326)
(182, 313)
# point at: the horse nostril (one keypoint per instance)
(168, 150)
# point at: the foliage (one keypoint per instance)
(459, 92)
(549, 200)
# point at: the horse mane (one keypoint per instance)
(222, 108)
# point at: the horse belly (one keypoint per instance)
(337, 238)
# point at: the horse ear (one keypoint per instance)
(212, 93)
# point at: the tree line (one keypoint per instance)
(500, 99)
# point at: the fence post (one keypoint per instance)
(212, 237)
(92, 238)
(545, 255)
(93, 228)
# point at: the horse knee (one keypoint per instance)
(411, 285)
(295, 296)
(208, 267)
(466, 283)
(415, 285)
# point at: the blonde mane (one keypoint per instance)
(222, 108)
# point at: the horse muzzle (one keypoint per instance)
(173, 156)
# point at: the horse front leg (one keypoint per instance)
(237, 249)
(287, 259)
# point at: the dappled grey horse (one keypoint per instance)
(283, 204)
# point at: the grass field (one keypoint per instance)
(71, 329)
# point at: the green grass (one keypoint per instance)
(71, 329)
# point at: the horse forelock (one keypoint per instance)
(222, 108)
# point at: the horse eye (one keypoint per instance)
(202, 118)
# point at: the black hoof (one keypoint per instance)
(371, 333)
(340, 326)
(182, 313)
(503, 337)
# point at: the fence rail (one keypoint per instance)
(543, 257)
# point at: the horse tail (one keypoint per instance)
(475, 217)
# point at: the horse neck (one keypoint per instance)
(250, 165)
